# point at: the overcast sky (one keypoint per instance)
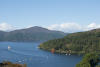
(63, 15)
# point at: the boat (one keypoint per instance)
(69, 54)
(66, 54)
(9, 47)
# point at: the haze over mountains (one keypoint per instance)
(31, 34)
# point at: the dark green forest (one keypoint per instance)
(89, 60)
(75, 43)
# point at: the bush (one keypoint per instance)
(9, 64)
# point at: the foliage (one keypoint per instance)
(89, 60)
(81, 42)
(9, 64)
(98, 66)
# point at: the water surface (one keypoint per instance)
(27, 52)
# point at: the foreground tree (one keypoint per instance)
(89, 60)
(9, 64)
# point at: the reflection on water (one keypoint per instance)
(28, 53)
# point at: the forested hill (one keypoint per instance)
(31, 34)
(81, 42)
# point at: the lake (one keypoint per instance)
(30, 54)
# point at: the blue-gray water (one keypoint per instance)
(29, 53)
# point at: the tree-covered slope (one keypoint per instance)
(81, 42)
(31, 34)
(89, 60)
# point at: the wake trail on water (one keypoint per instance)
(15, 52)
(19, 52)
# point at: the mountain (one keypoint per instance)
(31, 34)
(2, 34)
(81, 42)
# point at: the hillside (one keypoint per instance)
(31, 34)
(81, 42)
(2, 34)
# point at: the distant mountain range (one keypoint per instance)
(31, 34)
(81, 42)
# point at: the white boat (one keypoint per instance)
(9, 47)
(69, 54)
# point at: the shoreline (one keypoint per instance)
(64, 52)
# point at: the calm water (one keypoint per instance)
(29, 53)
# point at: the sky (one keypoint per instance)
(62, 15)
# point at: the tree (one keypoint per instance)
(89, 60)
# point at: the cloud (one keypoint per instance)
(92, 26)
(66, 27)
(6, 27)
(29, 26)
(73, 27)
(69, 27)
